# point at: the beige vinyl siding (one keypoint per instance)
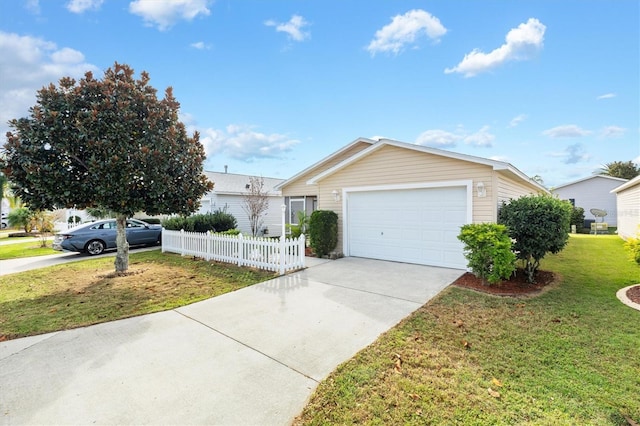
(392, 165)
(628, 206)
(509, 189)
(299, 187)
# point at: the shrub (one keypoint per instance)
(633, 246)
(175, 223)
(487, 247)
(302, 227)
(219, 221)
(21, 218)
(539, 224)
(323, 231)
(74, 219)
(577, 218)
(223, 221)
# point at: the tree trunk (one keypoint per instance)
(122, 257)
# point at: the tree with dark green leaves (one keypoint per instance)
(538, 224)
(107, 143)
(620, 169)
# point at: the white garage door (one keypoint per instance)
(408, 225)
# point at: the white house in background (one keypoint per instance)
(593, 192)
(628, 206)
(228, 192)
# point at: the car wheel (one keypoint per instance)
(94, 247)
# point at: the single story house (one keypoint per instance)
(228, 195)
(592, 192)
(404, 202)
(628, 208)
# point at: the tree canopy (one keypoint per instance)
(621, 169)
(539, 224)
(107, 143)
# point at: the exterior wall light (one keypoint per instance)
(336, 195)
(482, 191)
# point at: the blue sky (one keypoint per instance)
(553, 87)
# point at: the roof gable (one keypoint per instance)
(325, 161)
(499, 166)
(620, 180)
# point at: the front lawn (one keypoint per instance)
(83, 293)
(570, 356)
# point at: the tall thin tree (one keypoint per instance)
(255, 203)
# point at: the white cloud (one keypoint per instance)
(405, 30)
(481, 138)
(438, 139)
(521, 43)
(164, 14)
(612, 132)
(294, 28)
(566, 131)
(517, 120)
(637, 160)
(81, 6)
(607, 96)
(243, 143)
(201, 45)
(26, 65)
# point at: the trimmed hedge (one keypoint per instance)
(218, 221)
(323, 231)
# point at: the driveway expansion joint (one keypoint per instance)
(247, 346)
(371, 292)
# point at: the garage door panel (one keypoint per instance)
(412, 225)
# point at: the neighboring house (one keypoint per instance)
(228, 192)
(628, 208)
(404, 202)
(593, 192)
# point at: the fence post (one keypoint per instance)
(182, 242)
(240, 250)
(162, 239)
(302, 247)
(282, 254)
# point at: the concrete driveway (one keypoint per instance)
(253, 356)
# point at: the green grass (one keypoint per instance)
(26, 249)
(570, 356)
(87, 292)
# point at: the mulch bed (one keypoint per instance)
(514, 287)
(634, 294)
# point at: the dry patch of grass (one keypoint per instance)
(89, 292)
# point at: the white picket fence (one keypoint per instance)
(280, 255)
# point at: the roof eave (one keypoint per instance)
(324, 160)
